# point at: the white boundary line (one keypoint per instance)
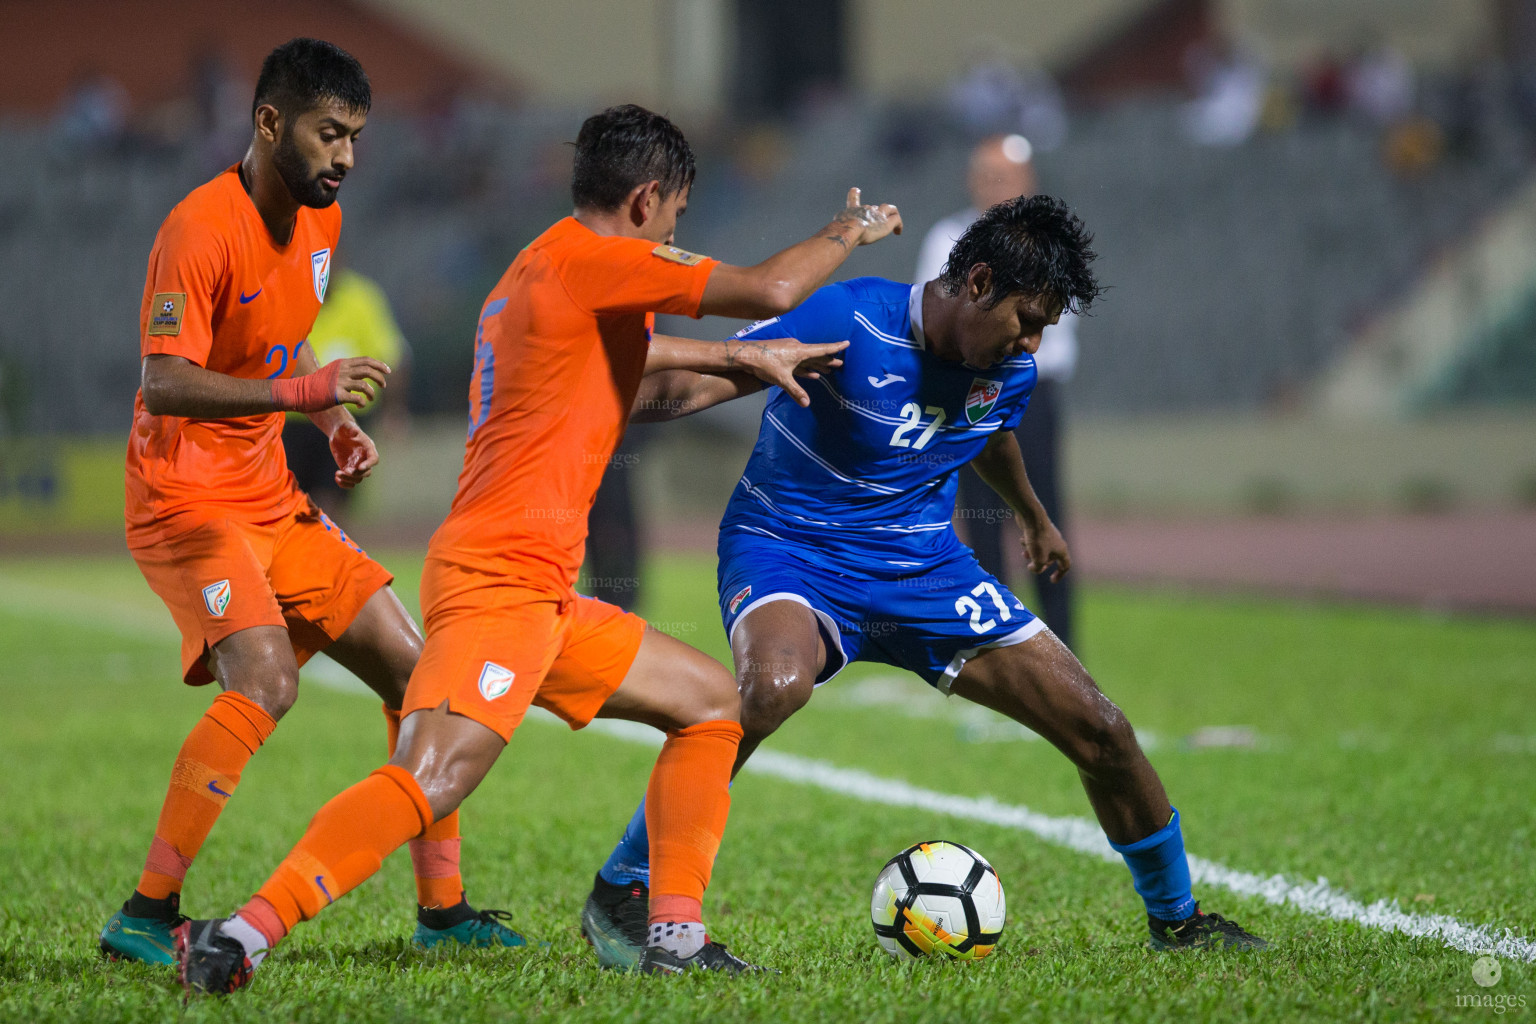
(1317, 898)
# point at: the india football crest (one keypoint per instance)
(216, 597)
(320, 265)
(981, 399)
(495, 680)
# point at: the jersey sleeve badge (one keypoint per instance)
(165, 311)
(676, 255)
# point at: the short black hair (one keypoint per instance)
(623, 147)
(1034, 245)
(297, 76)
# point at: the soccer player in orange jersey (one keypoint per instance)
(256, 577)
(560, 348)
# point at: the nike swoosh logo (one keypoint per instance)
(890, 378)
(320, 881)
(151, 938)
(244, 298)
(214, 786)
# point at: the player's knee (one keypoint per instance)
(272, 683)
(712, 695)
(770, 693)
(1104, 740)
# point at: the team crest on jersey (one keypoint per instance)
(216, 597)
(495, 680)
(320, 265)
(741, 595)
(165, 311)
(983, 396)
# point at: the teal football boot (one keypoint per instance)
(143, 939)
(466, 926)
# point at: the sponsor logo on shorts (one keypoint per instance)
(982, 397)
(165, 311)
(216, 597)
(320, 265)
(495, 680)
(741, 595)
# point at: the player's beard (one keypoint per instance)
(307, 189)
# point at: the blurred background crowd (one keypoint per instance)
(1317, 220)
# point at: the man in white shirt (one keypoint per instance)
(1001, 168)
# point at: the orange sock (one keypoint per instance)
(346, 842)
(205, 775)
(686, 806)
(434, 856)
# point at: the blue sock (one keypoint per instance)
(630, 861)
(1161, 871)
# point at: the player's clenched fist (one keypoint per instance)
(354, 453)
(877, 220)
(352, 381)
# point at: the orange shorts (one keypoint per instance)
(219, 576)
(496, 645)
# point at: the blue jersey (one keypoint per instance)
(867, 473)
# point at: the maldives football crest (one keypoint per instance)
(982, 398)
(320, 266)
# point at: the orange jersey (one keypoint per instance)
(223, 294)
(559, 353)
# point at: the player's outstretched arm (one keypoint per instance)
(174, 386)
(787, 278)
(776, 361)
(1001, 466)
(673, 394)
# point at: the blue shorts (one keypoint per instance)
(930, 624)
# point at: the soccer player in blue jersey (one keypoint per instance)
(837, 545)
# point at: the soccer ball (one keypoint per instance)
(938, 899)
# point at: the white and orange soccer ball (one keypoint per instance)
(938, 899)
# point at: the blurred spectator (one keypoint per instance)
(1412, 146)
(1379, 84)
(94, 116)
(996, 95)
(1001, 168)
(355, 320)
(1323, 88)
(1229, 86)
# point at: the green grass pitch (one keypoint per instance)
(1391, 752)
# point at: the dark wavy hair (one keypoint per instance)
(1034, 245)
(627, 146)
(299, 75)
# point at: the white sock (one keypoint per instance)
(245, 933)
(681, 938)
